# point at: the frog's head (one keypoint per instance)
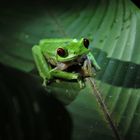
(72, 50)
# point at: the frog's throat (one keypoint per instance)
(65, 65)
(62, 66)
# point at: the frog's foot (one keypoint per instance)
(81, 82)
(46, 82)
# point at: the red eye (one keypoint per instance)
(61, 52)
(86, 42)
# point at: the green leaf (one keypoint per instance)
(114, 27)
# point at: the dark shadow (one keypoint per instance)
(137, 2)
(27, 113)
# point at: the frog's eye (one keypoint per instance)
(86, 42)
(61, 52)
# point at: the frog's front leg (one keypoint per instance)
(93, 61)
(42, 66)
(67, 75)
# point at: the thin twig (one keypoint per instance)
(100, 100)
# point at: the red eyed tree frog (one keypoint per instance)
(54, 58)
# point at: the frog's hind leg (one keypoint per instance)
(67, 75)
(42, 66)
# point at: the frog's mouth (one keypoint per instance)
(72, 66)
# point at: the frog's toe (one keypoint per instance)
(98, 68)
(81, 83)
(44, 83)
(57, 80)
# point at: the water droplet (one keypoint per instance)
(36, 107)
(131, 67)
(26, 36)
(67, 90)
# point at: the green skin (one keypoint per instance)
(51, 65)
